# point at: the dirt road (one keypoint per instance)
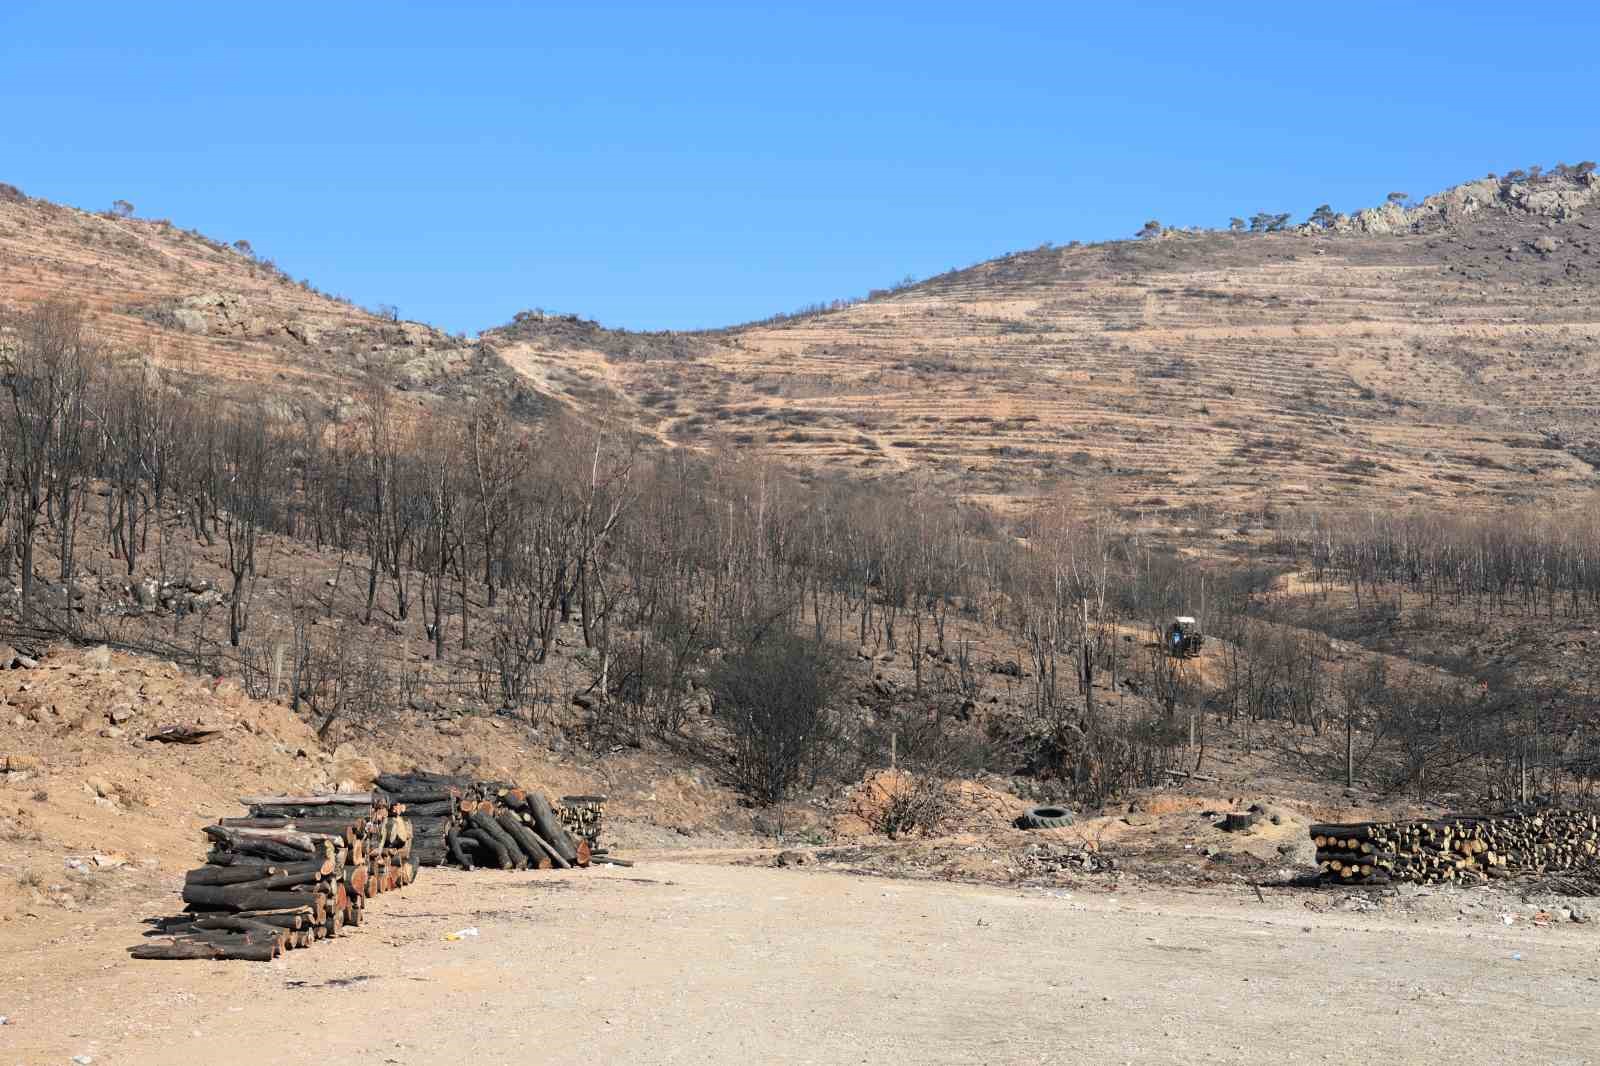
(675, 962)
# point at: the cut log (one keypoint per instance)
(283, 839)
(345, 799)
(550, 827)
(285, 917)
(488, 845)
(235, 899)
(486, 826)
(241, 872)
(526, 839)
(551, 853)
(195, 949)
(458, 854)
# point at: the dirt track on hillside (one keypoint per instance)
(673, 962)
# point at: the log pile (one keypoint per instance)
(583, 817)
(433, 806)
(295, 870)
(509, 828)
(1463, 848)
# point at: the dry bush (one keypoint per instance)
(774, 695)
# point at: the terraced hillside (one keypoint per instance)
(1453, 361)
(1445, 354)
(219, 318)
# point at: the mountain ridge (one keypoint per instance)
(1438, 354)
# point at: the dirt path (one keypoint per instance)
(675, 962)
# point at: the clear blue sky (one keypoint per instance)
(666, 166)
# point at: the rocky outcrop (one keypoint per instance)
(1555, 196)
(219, 314)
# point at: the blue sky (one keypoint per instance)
(667, 166)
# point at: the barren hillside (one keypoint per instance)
(222, 319)
(1441, 354)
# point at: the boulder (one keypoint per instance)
(350, 767)
(191, 320)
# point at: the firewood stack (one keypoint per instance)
(296, 870)
(509, 828)
(1463, 848)
(583, 817)
(433, 806)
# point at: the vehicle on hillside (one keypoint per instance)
(1184, 637)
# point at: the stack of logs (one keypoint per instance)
(433, 806)
(296, 870)
(1463, 848)
(582, 815)
(511, 828)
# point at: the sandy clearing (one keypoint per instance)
(674, 962)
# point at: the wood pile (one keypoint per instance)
(433, 806)
(1463, 848)
(510, 828)
(295, 870)
(583, 816)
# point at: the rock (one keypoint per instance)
(8, 656)
(197, 584)
(120, 713)
(1580, 916)
(1137, 819)
(190, 320)
(23, 662)
(301, 332)
(18, 763)
(792, 858)
(101, 787)
(111, 732)
(98, 657)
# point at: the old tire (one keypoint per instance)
(1044, 818)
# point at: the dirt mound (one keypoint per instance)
(969, 806)
(88, 805)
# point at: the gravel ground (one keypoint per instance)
(676, 961)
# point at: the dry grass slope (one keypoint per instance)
(1451, 365)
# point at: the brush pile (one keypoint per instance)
(296, 870)
(1464, 848)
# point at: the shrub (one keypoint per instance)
(774, 696)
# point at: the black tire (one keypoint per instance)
(1045, 818)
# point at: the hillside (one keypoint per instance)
(1439, 354)
(1442, 354)
(221, 320)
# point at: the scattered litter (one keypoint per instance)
(1508, 919)
(461, 934)
(82, 1060)
(1542, 919)
(4, 1019)
(1516, 956)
